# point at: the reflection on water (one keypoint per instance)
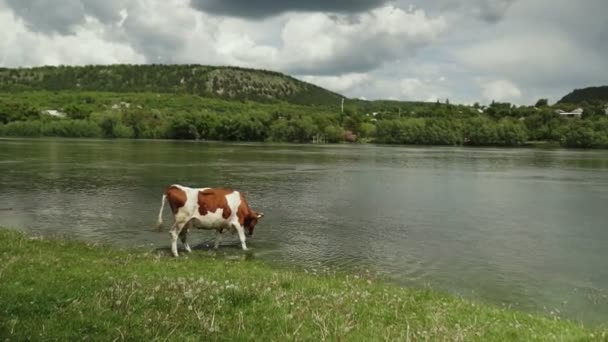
(525, 228)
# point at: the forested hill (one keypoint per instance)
(590, 94)
(221, 82)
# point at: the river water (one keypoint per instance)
(526, 228)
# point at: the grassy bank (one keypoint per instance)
(65, 290)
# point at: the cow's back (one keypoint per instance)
(210, 200)
(216, 208)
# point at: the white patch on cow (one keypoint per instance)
(234, 202)
(216, 220)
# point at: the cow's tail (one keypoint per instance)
(159, 225)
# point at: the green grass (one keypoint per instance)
(52, 289)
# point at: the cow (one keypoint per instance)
(216, 209)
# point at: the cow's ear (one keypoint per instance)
(260, 215)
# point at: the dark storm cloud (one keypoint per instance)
(61, 16)
(493, 10)
(268, 8)
(48, 16)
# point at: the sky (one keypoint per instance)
(463, 50)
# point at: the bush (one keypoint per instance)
(585, 134)
(367, 130)
(480, 132)
(333, 134)
(181, 126)
(511, 133)
(293, 130)
(71, 128)
(22, 129)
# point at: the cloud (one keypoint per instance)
(536, 58)
(46, 16)
(64, 15)
(268, 8)
(152, 28)
(546, 48)
(21, 47)
(501, 91)
(428, 90)
(373, 48)
(490, 11)
(339, 84)
(321, 43)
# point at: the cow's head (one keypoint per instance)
(251, 221)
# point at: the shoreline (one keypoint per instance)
(536, 145)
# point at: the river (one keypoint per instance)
(526, 228)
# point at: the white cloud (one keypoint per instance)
(21, 47)
(490, 11)
(410, 86)
(341, 83)
(415, 89)
(531, 56)
(325, 43)
(501, 91)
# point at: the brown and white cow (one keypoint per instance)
(207, 208)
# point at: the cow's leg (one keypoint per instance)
(183, 235)
(217, 238)
(241, 232)
(174, 233)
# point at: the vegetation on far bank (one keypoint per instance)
(172, 116)
(236, 104)
(53, 289)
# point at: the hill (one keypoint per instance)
(208, 81)
(589, 94)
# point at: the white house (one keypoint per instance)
(577, 113)
(54, 113)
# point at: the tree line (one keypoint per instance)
(171, 116)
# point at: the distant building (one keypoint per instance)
(350, 136)
(577, 113)
(122, 104)
(54, 113)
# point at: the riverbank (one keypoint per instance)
(151, 115)
(65, 290)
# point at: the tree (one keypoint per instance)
(367, 130)
(77, 112)
(182, 128)
(333, 134)
(541, 103)
(511, 133)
